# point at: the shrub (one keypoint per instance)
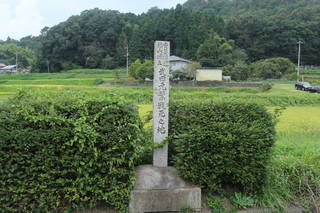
(291, 77)
(145, 71)
(266, 87)
(134, 67)
(67, 151)
(217, 205)
(238, 71)
(221, 143)
(272, 68)
(141, 71)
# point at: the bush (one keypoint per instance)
(141, 71)
(67, 151)
(134, 67)
(145, 71)
(291, 77)
(221, 143)
(238, 71)
(272, 68)
(266, 87)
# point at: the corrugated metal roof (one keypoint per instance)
(176, 58)
(9, 67)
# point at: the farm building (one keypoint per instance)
(177, 63)
(8, 69)
(209, 75)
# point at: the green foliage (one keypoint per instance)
(108, 62)
(98, 38)
(268, 28)
(221, 143)
(8, 55)
(134, 67)
(261, 28)
(216, 51)
(291, 77)
(187, 210)
(241, 201)
(216, 205)
(70, 66)
(98, 81)
(238, 71)
(272, 68)
(266, 87)
(66, 151)
(141, 71)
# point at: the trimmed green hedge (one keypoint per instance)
(214, 144)
(67, 152)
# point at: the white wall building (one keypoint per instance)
(177, 63)
(209, 75)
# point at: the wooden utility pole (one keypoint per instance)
(127, 57)
(299, 58)
(17, 62)
(48, 67)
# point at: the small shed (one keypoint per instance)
(177, 63)
(209, 75)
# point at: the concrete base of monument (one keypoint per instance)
(162, 190)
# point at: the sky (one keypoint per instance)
(19, 18)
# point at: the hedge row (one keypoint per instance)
(214, 144)
(66, 152)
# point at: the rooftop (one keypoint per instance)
(176, 58)
(9, 67)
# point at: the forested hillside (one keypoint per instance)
(269, 28)
(246, 29)
(98, 38)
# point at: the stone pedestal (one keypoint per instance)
(162, 190)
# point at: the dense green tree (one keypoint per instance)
(9, 51)
(239, 71)
(145, 71)
(134, 67)
(141, 71)
(250, 30)
(272, 68)
(217, 51)
(269, 28)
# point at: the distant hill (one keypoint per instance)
(269, 28)
(257, 7)
(258, 28)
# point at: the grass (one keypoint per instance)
(298, 129)
(299, 136)
(311, 72)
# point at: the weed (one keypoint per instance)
(98, 81)
(216, 205)
(187, 210)
(241, 201)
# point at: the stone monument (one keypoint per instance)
(159, 187)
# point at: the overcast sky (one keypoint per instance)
(19, 18)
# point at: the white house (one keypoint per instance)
(177, 63)
(209, 75)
